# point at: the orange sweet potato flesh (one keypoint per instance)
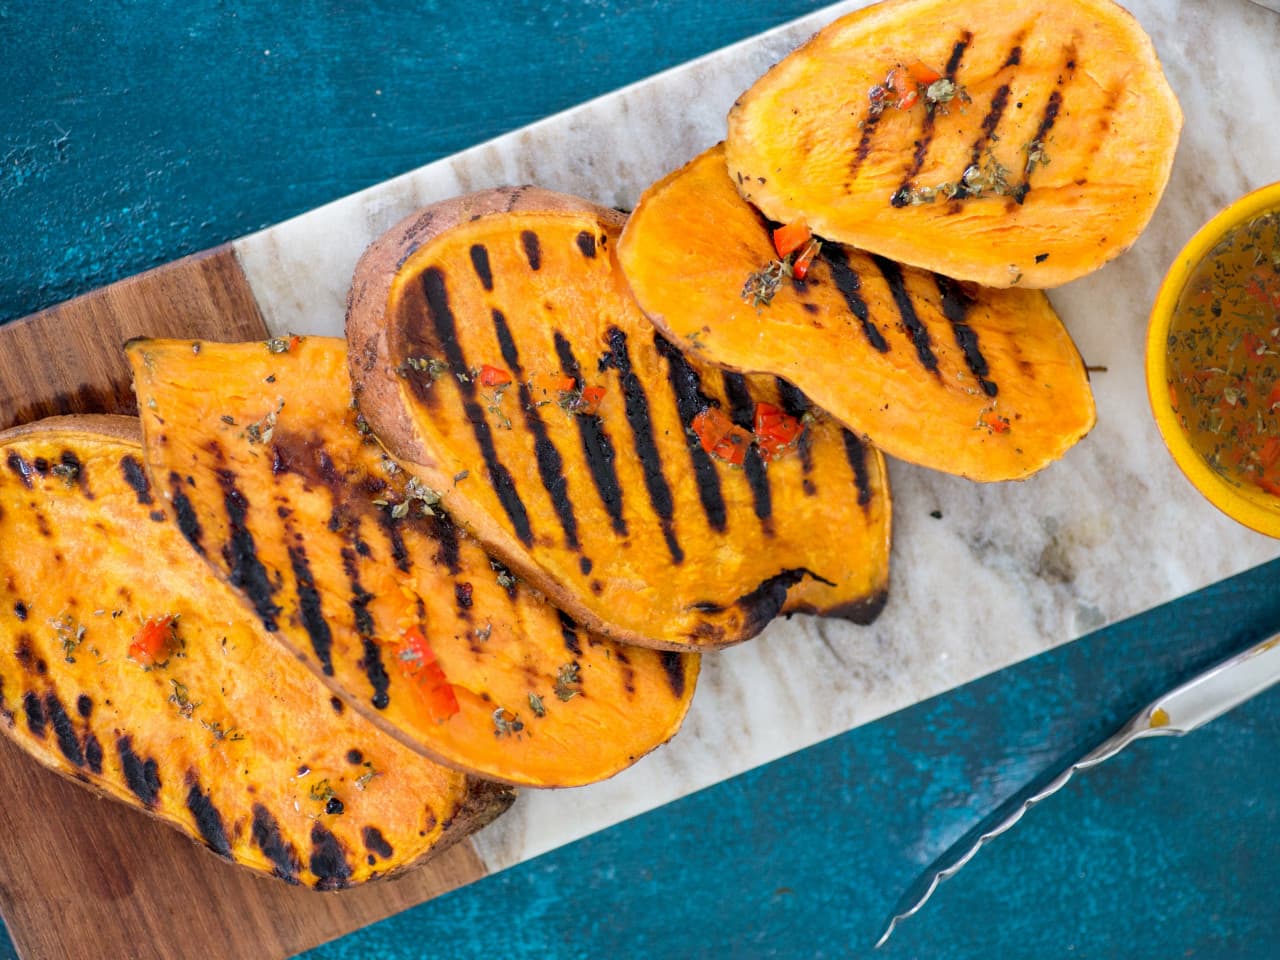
(211, 726)
(613, 508)
(1069, 125)
(974, 381)
(259, 453)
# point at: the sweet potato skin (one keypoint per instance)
(979, 382)
(1066, 98)
(673, 582)
(364, 578)
(221, 734)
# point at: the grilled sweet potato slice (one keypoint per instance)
(975, 381)
(258, 451)
(127, 665)
(493, 337)
(989, 141)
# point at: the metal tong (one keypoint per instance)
(1188, 707)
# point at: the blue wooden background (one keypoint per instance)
(132, 133)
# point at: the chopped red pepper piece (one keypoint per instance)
(1273, 397)
(493, 376)
(720, 437)
(923, 74)
(997, 423)
(294, 341)
(589, 402)
(418, 662)
(152, 643)
(775, 430)
(800, 269)
(791, 237)
(1269, 484)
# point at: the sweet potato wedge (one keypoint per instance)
(127, 666)
(993, 142)
(970, 380)
(258, 451)
(493, 338)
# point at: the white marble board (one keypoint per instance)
(1009, 570)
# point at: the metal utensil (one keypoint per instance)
(1193, 704)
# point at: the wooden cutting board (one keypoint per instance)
(86, 877)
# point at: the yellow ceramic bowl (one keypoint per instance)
(1249, 505)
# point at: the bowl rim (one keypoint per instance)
(1224, 495)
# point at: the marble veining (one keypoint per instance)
(1007, 570)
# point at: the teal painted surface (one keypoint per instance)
(1172, 849)
(133, 133)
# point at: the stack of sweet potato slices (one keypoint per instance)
(327, 602)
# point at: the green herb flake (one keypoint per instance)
(506, 723)
(568, 681)
(182, 698)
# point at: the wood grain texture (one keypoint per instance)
(84, 877)
(67, 359)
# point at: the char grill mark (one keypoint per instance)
(208, 818)
(742, 413)
(136, 477)
(569, 631)
(480, 261)
(310, 608)
(376, 843)
(900, 196)
(1047, 119)
(63, 729)
(919, 334)
(597, 447)
(371, 656)
(188, 521)
(446, 330)
(863, 149)
(142, 776)
(328, 860)
(766, 601)
(673, 667)
(690, 401)
(795, 404)
(855, 452)
(532, 249)
(636, 404)
(955, 307)
(244, 568)
(93, 752)
(34, 710)
(270, 840)
(550, 463)
(849, 284)
(444, 533)
(399, 552)
(999, 101)
(586, 241)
